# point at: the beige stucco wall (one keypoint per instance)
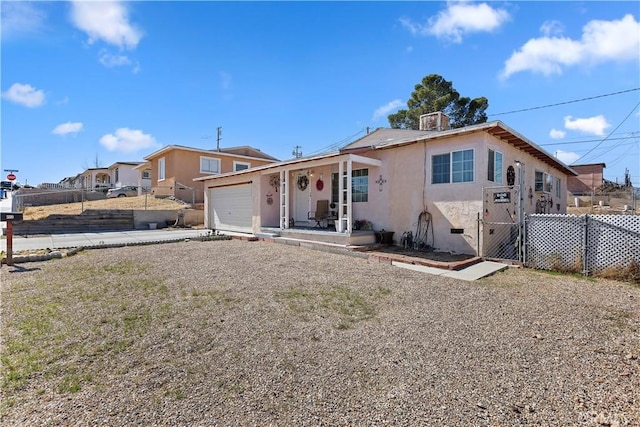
(183, 166)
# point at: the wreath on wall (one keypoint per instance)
(303, 182)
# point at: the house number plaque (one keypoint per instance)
(502, 197)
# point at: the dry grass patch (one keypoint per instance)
(255, 333)
(139, 202)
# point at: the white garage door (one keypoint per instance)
(231, 208)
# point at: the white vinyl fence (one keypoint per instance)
(591, 244)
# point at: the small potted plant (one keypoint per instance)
(362, 224)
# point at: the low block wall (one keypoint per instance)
(164, 218)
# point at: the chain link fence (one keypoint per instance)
(501, 231)
(623, 201)
(32, 197)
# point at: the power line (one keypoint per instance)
(564, 103)
(612, 132)
(633, 135)
(337, 144)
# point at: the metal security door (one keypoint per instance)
(502, 223)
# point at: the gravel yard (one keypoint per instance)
(234, 333)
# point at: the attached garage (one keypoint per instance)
(231, 208)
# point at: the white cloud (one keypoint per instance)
(20, 18)
(593, 125)
(107, 21)
(459, 19)
(567, 157)
(127, 140)
(549, 28)
(109, 60)
(387, 108)
(601, 41)
(24, 94)
(67, 128)
(557, 134)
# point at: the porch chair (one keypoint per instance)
(321, 213)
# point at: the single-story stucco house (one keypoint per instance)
(435, 184)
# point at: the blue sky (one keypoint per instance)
(115, 81)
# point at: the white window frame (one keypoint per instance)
(548, 183)
(360, 181)
(497, 169)
(146, 174)
(237, 163)
(161, 169)
(545, 185)
(451, 172)
(209, 159)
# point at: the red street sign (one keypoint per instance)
(11, 177)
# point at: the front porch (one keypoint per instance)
(322, 235)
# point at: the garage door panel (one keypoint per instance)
(232, 208)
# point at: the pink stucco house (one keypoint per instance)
(590, 178)
(436, 183)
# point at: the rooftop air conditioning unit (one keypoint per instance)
(437, 121)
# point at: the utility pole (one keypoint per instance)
(219, 138)
(297, 153)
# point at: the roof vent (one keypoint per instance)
(437, 121)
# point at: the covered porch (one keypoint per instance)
(306, 199)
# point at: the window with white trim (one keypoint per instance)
(494, 166)
(146, 174)
(456, 166)
(240, 166)
(360, 185)
(209, 165)
(543, 182)
(161, 163)
(558, 183)
(548, 183)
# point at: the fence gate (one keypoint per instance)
(501, 223)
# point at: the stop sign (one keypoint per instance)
(11, 177)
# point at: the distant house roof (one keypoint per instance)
(244, 151)
(589, 165)
(383, 136)
(388, 138)
(125, 163)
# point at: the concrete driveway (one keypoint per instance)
(73, 240)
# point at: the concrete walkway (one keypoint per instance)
(74, 240)
(471, 273)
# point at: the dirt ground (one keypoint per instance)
(246, 333)
(140, 202)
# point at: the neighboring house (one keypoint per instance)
(174, 168)
(126, 173)
(590, 178)
(69, 182)
(442, 180)
(93, 178)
